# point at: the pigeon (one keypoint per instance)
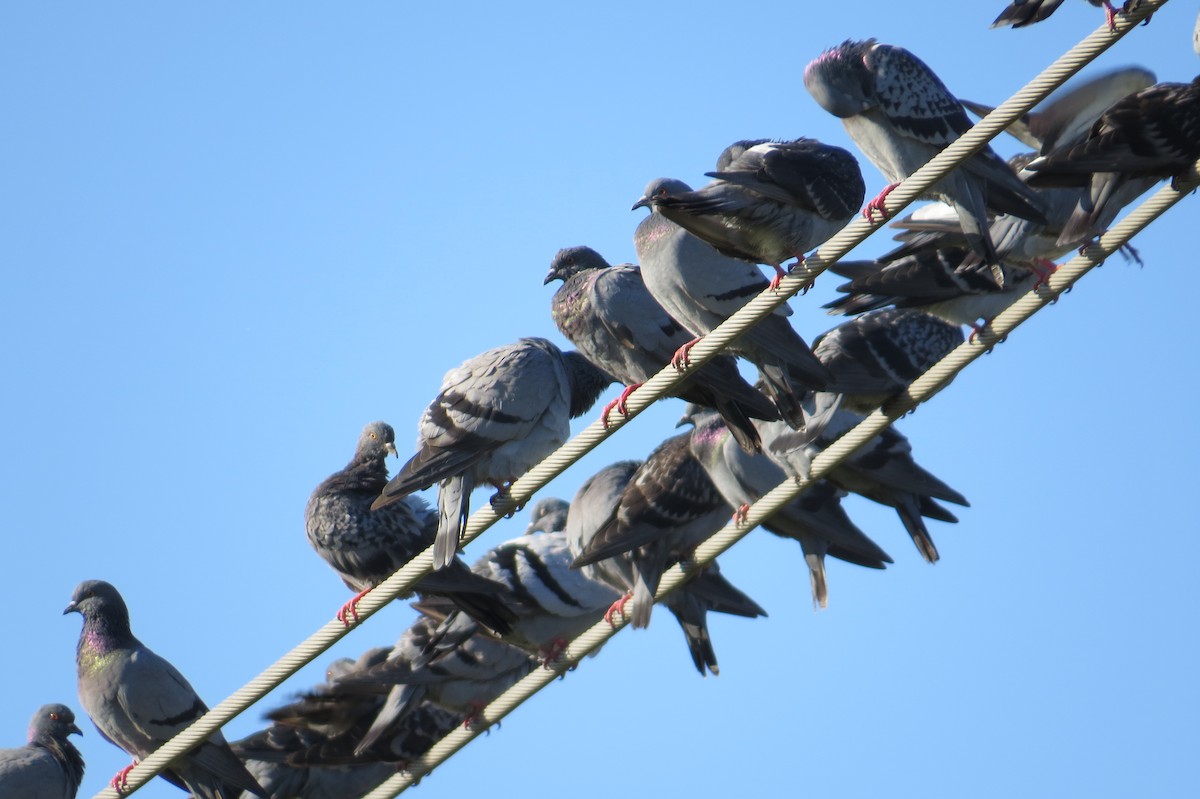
(322, 710)
(882, 470)
(590, 511)
(1020, 13)
(366, 546)
(1153, 133)
(496, 416)
(139, 701)
(700, 288)
(48, 766)
(770, 201)
(608, 314)
(901, 115)
(666, 510)
(548, 515)
(815, 519)
(877, 355)
(267, 755)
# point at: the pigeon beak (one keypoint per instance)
(684, 421)
(644, 202)
(71, 608)
(74, 728)
(390, 448)
(552, 275)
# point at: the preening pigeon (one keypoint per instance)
(48, 766)
(1020, 13)
(496, 416)
(365, 546)
(139, 701)
(901, 115)
(770, 201)
(700, 288)
(609, 315)
(1153, 133)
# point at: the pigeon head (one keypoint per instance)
(97, 599)
(378, 440)
(570, 261)
(52, 723)
(838, 79)
(548, 516)
(659, 188)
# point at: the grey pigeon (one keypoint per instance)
(815, 519)
(901, 115)
(48, 766)
(609, 315)
(496, 416)
(771, 201)
(591, 510)
(365, 546)
(882, 470)
(1020, 13)
(267, 752)
(322, 710)
(139, 701)
(548, 515)
(1153, 133)
(700, 288)
(875, 356)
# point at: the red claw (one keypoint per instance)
(739, 515)
(351, 608)
(681, 359)
(1043, 269)
(617, 607)
(121, 781)
(619, 404)
(553, 652)
(879, 204)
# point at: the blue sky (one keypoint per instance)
(235, 234)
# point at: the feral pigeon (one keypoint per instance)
(609, 315)
(48, 766)
(700, 288)
(815, 519)
(268, 754)
(771, 201)
(1153, 133)
(365, 546)
(496, 416)
(548, 515)
(139, 701)
(901, 115)
(1020, 13)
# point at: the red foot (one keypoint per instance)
(1043, 269)
(618, 404)
(617, 607)
(680, 359)
(977, 328)
(878, 204)
(779, 273)
(351, 608)
(739, 515)
(121, 781)
(553, 652)
(1110, 14)
(473, 714)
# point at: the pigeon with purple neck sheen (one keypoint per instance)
(139, 701)
(609, 315)
(900, 115)
(770, 201)
(496, 416)
(48, 766)
(700, 288)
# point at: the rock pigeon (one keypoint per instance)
(882, 470)
(875, 356)
(366, 546)
(267, 754)
(592, 508)
(901, 115)
(1020, 13)
(548, 515)
(323, 710)
(771, 202)
(48, 766)
(139, 701)
(700, 288)
(608, 314)
(1153, 133)
(496, 416)
(815, 519)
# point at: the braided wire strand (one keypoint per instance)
(709, 346)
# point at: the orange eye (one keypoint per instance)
(54, 717)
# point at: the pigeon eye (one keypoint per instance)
(54, 717)
(372, 436)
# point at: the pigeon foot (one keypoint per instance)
(619, 404)
(120, 782)
(351, 608)
(681, 360)
(617, 607)
(879, 204)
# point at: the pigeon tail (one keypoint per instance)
(401, 700)
(454, 506)
(816, 576)
(910, 514)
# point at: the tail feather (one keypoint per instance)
(910, 514)
(816, 576)
(454, 505)
(400, 701)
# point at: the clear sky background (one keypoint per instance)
(233, 234)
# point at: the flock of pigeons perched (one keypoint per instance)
(995, 232)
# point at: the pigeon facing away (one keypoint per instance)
(1020, 13)
(366, 546)
(770, 201)
(496, 416)
(609, 315)
(48, 766)
(901, 115)
(139, 701)
(700, 288)
(1153, 133)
